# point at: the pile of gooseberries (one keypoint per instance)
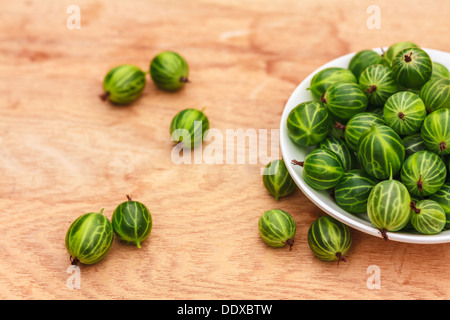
(379, 134)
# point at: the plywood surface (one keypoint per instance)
(64, 152)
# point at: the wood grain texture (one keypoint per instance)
(63, 152)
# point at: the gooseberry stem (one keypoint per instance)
(184, 79)
(322, 98)
(289, 242)
(412, 205)
(341, 257)
(408, 57)
(74, 261)
(372, 89)
(442, 146)
(401, 115)
(105, 96)
(129, 198)
(340, 126)
(420, 184)
(383, 234)
(298, 163)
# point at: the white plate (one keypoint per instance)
(322, 199)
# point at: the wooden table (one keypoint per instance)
(64, 152)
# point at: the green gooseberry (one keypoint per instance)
(363, 59)
(412, 67)
(169, 71)
(343, 100)
(358, 125)
(427, 217)
(435, 131)
(188, 127)
(404, 112)
(395, 48)
(436, 94)
(439, 70)
(326, 77)
(322, 169)
(277, 228)
(352, 191)
(308, 123)
(329, 239)
(123, 84)
(423, 173)
(442, 196)
(378, 82)
(381, 152)
(339, 147)
(89, 238)
(277, 180)
(132, 222)
(388, 206)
